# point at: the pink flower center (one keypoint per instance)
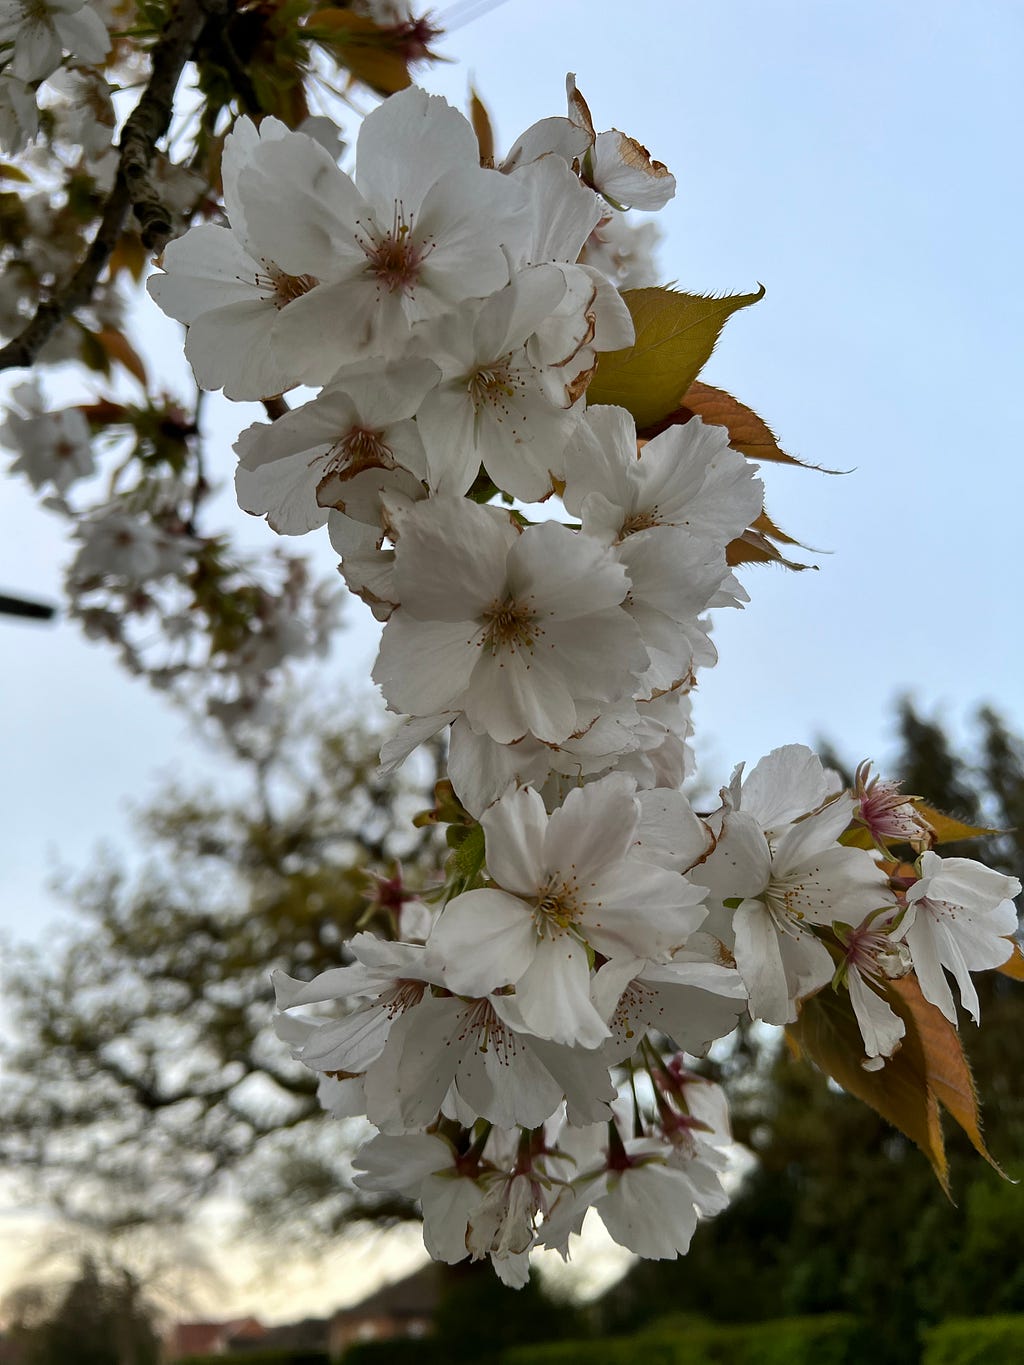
(640, 521)
(509, 625)
(493, 385)
(395, 258)
(359, 449)
(284, 288)
(557, 910)
(402, 996)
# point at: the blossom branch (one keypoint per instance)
(133, 187)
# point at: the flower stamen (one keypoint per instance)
(394, 257)
(510, 625)
(282, 287)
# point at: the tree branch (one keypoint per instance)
(133, 186)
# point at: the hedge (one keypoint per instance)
(285, 1356)
(612, 1351)
(833, 1339)
(401, 1351)
(975, 1341)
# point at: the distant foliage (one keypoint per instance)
(99, 1319)
(975, 1341)
(832, 1339)
(141, 1067)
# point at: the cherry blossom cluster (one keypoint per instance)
(180, 606)
(522, 1039)
(544, 578)
(35, 37)
(199, 621)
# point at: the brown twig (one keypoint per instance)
(133, 186)
(275, 407)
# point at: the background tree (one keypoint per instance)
(99, 1318)
(143, 1068)
(841, 1212)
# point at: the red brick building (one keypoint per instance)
(403, 1309)
(212, 1338)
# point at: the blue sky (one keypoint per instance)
(862, 161)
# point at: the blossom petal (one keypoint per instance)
(483, 940)
(422, 666)
(593, 828)
(514, 830)
(553, 994)
(407, 143)
(759, 960)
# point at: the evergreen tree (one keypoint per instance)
(97, 1320)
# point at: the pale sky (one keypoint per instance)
(862, 161)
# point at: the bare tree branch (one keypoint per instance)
(133, 186)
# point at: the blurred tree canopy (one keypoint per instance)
(142, 1073)
(841, 1212)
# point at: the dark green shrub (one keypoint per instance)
(400, 1351)
(277, 1356)
(975, 1341)
(614, 1351)
(833, 1339)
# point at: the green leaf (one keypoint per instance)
(675, 335)
(468, 855)
(827, 1031)
(928, 1070)
(370, 52)
(755, 547)
(748, 433)
(119, 348)
(949, 830)
(948, 1073)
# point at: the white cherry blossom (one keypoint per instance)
(871, 956)
(646, 1199)
(359, 525)
(41, 30)
(471, 1206)
(473, 1053)
(124, 545)
(500, 403)
(225, 284)
(512, 629)
(19, 114)
(419, 1049)
(420, 228)
(687, 477)
(283, 298)
(674, 577)
(53, 447)
(615, 165)
(624, 172)
(691, 999)
(624, 250)
(960, 916)
(295, 469)
(772, 880)
(565, 884)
